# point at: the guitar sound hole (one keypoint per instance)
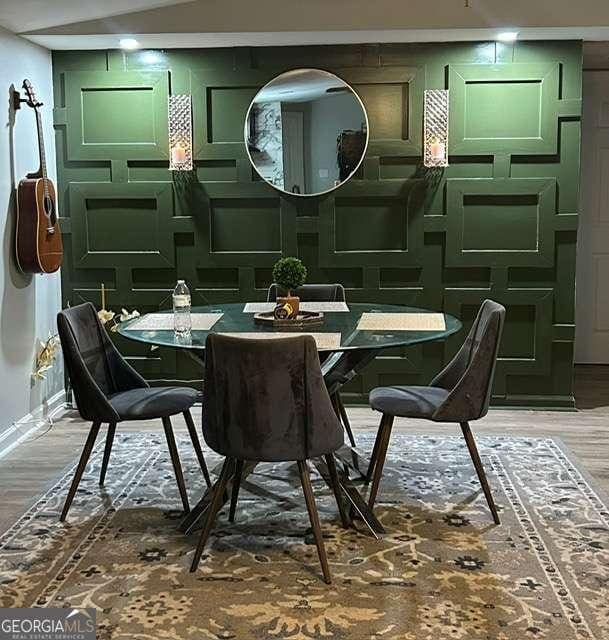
(49, 210)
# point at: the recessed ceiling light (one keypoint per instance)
(128, 43)
(507, 36)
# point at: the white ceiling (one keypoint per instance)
(300, 85)
(29, 15)
(99, 24)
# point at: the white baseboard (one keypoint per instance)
(32, 422)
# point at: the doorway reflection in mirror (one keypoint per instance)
(306, 132)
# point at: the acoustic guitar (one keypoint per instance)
(38, 237)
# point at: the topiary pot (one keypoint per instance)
(291, 303)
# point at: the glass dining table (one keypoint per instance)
(348, 338)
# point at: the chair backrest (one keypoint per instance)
(266, 400)
(312, 293)
(95, 367)
(469, 375)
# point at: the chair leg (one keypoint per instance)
(235, 490)
(345, 419)
(473, 452)
(385, 434)
(214, 507)
(192, 430)
(175, 461)
(314, 518)
(107, 450)
(331, 463)
(82, 464)
(374, 456)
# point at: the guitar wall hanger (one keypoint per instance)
(17, 100)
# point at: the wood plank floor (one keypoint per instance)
(32, 467)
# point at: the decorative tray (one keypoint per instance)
(304, 319)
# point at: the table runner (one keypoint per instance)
(323, 340)
(402, 322)
(324, 307)
(164, 322)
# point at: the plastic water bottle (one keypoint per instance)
(182, 323)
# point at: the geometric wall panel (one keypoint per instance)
(499, 222)
(485, 121)
(525, 348)
(230, 217)
(508, 107)
(220, 101)
(393, 97)
(374, 224)
(246, 226)
(119, 114)
(226, 107)
(388, 109)
(375, 219)
(121, 224)
(109, 116)
(518, 341)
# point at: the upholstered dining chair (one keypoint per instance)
(321, 293)
(265, 400)
(459, 393)
(108, 390)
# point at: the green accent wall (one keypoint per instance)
(499, 222)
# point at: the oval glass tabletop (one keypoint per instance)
(339, 331)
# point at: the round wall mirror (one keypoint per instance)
(306, 132)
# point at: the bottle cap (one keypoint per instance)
(180, 281)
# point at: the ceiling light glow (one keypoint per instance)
(152, 57)
(507, 36)
(128, 43)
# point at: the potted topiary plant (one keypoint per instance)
(289, 273)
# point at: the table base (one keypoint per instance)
(337, 369)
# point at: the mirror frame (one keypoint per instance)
(319, 193)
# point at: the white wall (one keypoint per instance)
(592, 308)
(28, 304)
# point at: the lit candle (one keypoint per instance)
(178, 155)
(438, 150)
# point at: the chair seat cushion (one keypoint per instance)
(152, 402)
(408, 402)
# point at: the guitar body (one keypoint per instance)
(38, 237)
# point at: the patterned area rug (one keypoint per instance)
(442, 571)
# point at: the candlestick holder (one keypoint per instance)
(180, 132)
(435, 135)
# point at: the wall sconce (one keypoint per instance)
(436, 128)
(180, 133)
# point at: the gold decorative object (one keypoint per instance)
(45, 357)
(124, 316)
(106, 316)
(103, 314)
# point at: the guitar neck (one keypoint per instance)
(43, 163)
